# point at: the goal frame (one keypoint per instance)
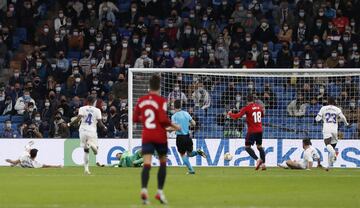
(241, 71)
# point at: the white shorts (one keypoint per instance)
(332, 135)
(301, 163)
(88, 139)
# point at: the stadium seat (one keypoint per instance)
(4, 118)
(17, 119)
(21, 33)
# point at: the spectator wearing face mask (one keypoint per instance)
(78, 87)
(46, 112)
(62, 64)
(144, 61)
(192, 61)
(124, 54)
(58, 127)
(16, 78)
(177, 94)
(333, 60)
(76, 41)
(59, 21)
(45, 38)
(31, 131)
(9, 131)
(29, 114)
(264, 33)
(26, 19)
(114, 122)
(297, 107)
(179, 60)
(22, 103)
(120, 88)
(6, 105)
(3, 53)
(265, 61)
(27, 64)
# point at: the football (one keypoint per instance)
(228, 156)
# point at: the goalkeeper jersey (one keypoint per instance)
(131, 160)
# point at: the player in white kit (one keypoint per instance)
(310, 156)
(89, 116)
(28, 159)
(331, 116)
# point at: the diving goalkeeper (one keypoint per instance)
(126, 159)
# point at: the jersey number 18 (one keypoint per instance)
(257, 117)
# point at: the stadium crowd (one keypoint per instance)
(86, 46)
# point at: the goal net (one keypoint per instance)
(291, 98)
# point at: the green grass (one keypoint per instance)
(210, 187)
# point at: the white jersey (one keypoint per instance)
(90, 116)
(310, 155)
(330, 115)
(27, 162)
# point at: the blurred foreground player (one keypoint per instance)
(151, 111)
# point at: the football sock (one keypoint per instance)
(187, 163)
(192, 154)
(145, 175)
(86, 161)
(262, 154)
(332, 153)
(161, 175)
(251, 152)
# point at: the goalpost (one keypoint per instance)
(291, 98)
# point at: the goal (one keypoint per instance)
(291, 98)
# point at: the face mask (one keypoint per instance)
(46, 30)
(171, 25)
(316, 40)
(27, 97)
(37, 118)
(125, 45)
(62, 32)
(296, 62)
(61, 15)
(77, 80)
(31, 109)
(318, 24)
(166, 53)
(75, 33)
(176, 89)
(254, 49)
(192, 53)
(264, 24)
(250, 86)
(98, 39)
(322, 90)
(341, 62)
(319, 65)
(47, 104)
(328, 42)
(58, 89)
(346, 39)
(301, 25)
(104, 107)
(133, 9)
(76, 72)
(57, 39)
(95, 82)
(2, 98)
(8, 125)
(352, 105)
(188, 31)
(104, 118)
(192, 16)
(108, 48)
(286, 28)
(266, 56)
(238, 98)
(208, 47)
(91, 48)
(53, 66)
(354, 48)
(321, 14)
(92, 61)
(334, 55)
(340, 48)
(248, 39)
(302, 14)
(237, 61)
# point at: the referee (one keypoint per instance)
(184, 143)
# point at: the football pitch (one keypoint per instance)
(210, 187)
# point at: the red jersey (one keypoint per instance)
(150, 110)
(254, 112)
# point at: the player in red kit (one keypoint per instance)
(254, 112)
(151, 110)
